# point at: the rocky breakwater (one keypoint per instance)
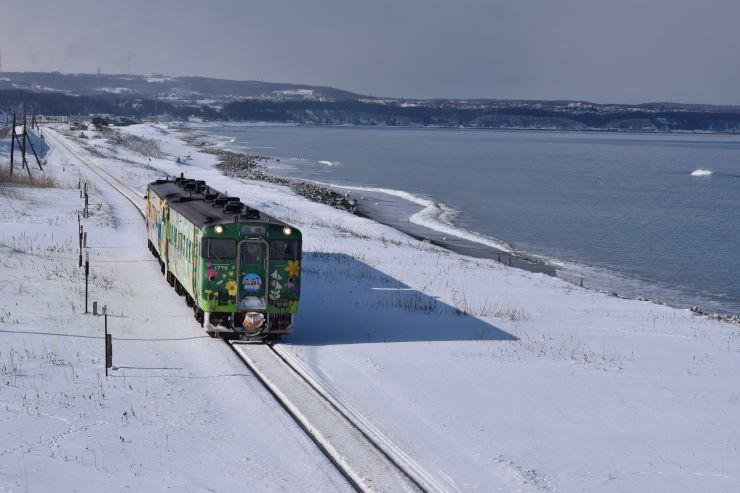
(250, 166)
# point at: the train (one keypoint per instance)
(237, 267)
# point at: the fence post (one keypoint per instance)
(108, 342)
(81, 229)
(87, 275)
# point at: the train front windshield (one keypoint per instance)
(285, 250)
(219, 248)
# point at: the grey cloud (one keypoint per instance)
(626, 51)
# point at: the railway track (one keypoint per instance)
(363, 455)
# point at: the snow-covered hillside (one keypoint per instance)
(491, 378)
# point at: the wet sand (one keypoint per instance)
(394, 212)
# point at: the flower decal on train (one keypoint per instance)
(231, 287)
(293, 268)
(275, 285)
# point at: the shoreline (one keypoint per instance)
(250, 166)
(592, 130)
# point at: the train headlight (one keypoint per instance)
(287, 231)
(219, 229)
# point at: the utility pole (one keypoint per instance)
(33, 121)
(23, 142)
(12, 145)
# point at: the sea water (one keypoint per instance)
(650, 215)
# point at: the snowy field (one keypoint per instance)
(491, 378)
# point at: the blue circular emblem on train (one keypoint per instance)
(251, 283)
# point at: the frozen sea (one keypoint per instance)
(647, 215)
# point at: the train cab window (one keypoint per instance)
(218, 248)
(251, 253)
(285, 250)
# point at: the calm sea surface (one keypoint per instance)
(623, 211)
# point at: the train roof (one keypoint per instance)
(205, 206)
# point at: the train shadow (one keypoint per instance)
(345, 301)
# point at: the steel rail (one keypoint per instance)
(409, 480)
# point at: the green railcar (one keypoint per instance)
(237, 267)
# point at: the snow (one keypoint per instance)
(180, 413)
(116, 90)
(489, 378)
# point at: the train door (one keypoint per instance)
(252, 275)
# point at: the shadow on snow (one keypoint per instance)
(345, 301)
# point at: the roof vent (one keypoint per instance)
(220, 201)
(233, 207)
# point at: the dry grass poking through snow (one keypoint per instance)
(21, 179)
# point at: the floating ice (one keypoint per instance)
(702, 172)
(328, 163)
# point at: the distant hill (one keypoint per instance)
(160, 86)
(139, 96)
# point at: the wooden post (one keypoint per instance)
(87, 276)
(108, 343)
(80, 231)
(95, 308)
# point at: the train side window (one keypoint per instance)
(285, 250)
(218, 248)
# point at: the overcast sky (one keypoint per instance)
(599, 50)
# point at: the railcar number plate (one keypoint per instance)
(253, 230)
